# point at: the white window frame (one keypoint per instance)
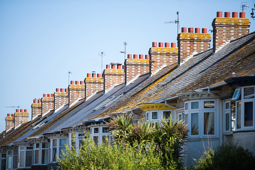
(57, 147)
(227, 111)
(40, 154)
(160, 115)
(100, 134)
(25, 155)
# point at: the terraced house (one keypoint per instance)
(211, 89)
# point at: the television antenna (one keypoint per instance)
(12, 106)
(244, 6)
(102, 54)
(69, 72)
(176, 22)
(125, 52)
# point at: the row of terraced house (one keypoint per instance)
(211, 89)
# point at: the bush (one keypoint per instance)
(227, 156)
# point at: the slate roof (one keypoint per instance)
(201, 70)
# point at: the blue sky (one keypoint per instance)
(40, 41)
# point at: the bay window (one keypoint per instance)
(157, 115)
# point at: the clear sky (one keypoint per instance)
(40, 41)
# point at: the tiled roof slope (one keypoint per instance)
(202, 70)
(17, 133)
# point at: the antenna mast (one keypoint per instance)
(69, 72)
(125, 52)
(176, 22)
(102, 53)
(244, 6)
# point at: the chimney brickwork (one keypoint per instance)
(9, 121)
(135, 66)
(47, 103)
(226, 28)
(20, 117)
(160, 56)
(60, 98)
(93, 84)
(113, 76)
(76, 91)
(36, 108)
(191, 43)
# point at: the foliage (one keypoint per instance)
(227, 156)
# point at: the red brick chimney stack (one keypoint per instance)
(93, 84)
(135, 66)
(47, 103)
(227, 28)
(160, 56)
(9, 120)
(60, 98)
(36, 108)
(190, 42)
(113, 75)
(76, 91)
(20, 117)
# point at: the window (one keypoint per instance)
(238, 111)
(81, 136)
(29, 156)
(147, 116)
(105, 129)
(57, 148)
(194, 124)
(45, 154)
(154, 115)
(54, 150)
(208, 104)
(22, 159)
(186, 119)
(233, 115)
(166, 114)
(249, 93)
(186, 106)
(236, 94)
(248, 113)
(26, 155)
(37, 153)
(104, 139)
(180, 117)
(209, 123)
(96, 130)
(9, 159)
(62, 149)
(95, 139)
(194, 105)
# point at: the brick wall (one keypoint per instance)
(20, 117)
(135, 66)
(9, 120)
(47, 103)
(190, 43)
(60, 98)
(93, 84)
(160, 56)
(76, 91)
(113, 76)
(226, 28)
(36, 108)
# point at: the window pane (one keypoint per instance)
(62, 142)
(22, 158)
(22, 148)
(15, 152)
(238, 109)
(44, 145)
(81, 143)
(36, 156)
(105, 129)
(227, 121)
(154, 115)
(61, 151)
(194, 105)
(54, 142)
(29, 158)
(37, 145)
(54, 154)
(227, 105)
(179, 116)
(166, 114)
(147, 116)
(96, 130)
(9, 162)
(29, 147)
(186, 119)
(95, 138)
(45, 156)
(104, 139)
(15, 162)
(233, 115)
(186, 106)
(208, 104)
(249, 93)
(194, 124)
(248, 114)
(208, 123)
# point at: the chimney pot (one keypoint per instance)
(8, 115)
(66, 90)
(34, 101)
(52, 95)
(81, 82)
(219, 14)
(113, 65)
(25, 110)
(44, 95)
(129, 55)
(93, 74)
(140, 56)
(147, 56)
(204, 30)
(72, 82)
(242, 15)
(107, 66)
(227, 14)
(12, 115)
(119, 65)
(17, 110)
(48, 95)
(39, 101)
(98, 75)
(88, 74)
(135, 56)
(123, 67)
(154, 44)
(160, 44)
(190, 30)
(21, 110)
(62, 90)
(167, 44)
(197, 30)
(76, 82)
(184, 29)
(234, 14)
(57, 89)
(173, 45)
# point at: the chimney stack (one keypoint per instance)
(9, 120)
(135, 66)
(76, 91)
(93, 84)
(162, 56)
(20, 117)
(60, 98)
(36, 108)
(227, 28)
(113, 76)
(47, 103)
(190, 42)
